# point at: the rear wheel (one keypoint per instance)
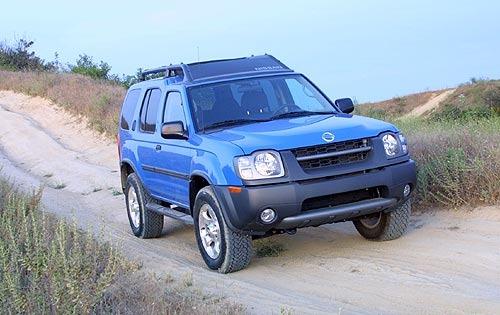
(144, 223)
(385, 226)
(221, 248)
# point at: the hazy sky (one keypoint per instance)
(368, 50)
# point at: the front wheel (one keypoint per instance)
(221, 248)
(385, 226)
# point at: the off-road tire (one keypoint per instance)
(392, 225)
(151, 223)
(236, 248)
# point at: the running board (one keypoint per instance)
(171, 213)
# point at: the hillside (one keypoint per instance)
(98, 101)
(478, 98)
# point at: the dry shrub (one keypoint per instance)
(99, 101)
(50, 267)
(458, 164)
(141, 293)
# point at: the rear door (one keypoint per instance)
(147, 139)
(175, 155)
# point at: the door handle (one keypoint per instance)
(158, 147)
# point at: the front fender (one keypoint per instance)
(218, 170)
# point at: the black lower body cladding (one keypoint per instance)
(291, 201)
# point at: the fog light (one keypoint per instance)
(267, 215)
(406, 190)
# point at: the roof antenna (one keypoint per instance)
(198, 50)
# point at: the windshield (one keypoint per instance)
(256, 99)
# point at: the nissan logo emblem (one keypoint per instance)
(328, 136)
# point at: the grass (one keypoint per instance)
(268, 247)
(458, 162)
(116, 192)
(471, 101)
(49, 266)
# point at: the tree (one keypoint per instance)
(85, 65)
(20, 57)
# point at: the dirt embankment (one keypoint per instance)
(447, 262)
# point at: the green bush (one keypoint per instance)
(86, 66)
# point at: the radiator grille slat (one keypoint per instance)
(338, 153)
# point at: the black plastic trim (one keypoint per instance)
(242, 210)
(337, 213)
(164, 171)
(333, 154)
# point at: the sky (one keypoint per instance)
(367, 50)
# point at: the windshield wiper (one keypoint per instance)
(299, 114)
(232, 122)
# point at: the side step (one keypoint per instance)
(170, 212)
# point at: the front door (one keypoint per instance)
(175, 155)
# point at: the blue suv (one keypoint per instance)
(247, 148)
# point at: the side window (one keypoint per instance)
(144, 109)
(173, 108)
(149, 110)
(128, 108)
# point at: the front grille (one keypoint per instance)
(332, 154)
(343, 198)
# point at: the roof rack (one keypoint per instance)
(212, 69)
(169, 71)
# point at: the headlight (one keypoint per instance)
(391, 145)
(260, 165)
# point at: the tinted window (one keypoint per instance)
(254, 99)
(144, 109)
(173, 108)
(149, 110)
(128, 108)
(304, 96)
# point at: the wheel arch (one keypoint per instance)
(197, 181)
(126, 168)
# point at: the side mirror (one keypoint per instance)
(345, 105)
(174, 130)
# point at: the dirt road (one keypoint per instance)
(449, 262)
(430, 105)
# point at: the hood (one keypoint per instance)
(284, 134)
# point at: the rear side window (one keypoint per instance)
(128, 108)
(149, 110)
(173, 108)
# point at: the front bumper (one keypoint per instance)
(242, 210)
